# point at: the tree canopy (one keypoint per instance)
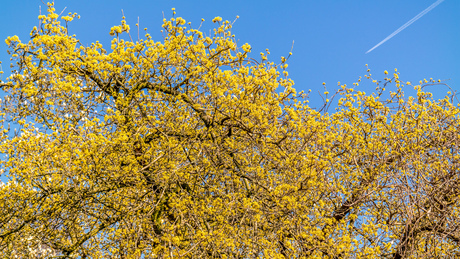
(189, 147)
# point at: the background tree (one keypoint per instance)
(190, 148)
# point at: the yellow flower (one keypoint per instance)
(217, 19)
(246, 48)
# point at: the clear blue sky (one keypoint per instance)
(331, 36)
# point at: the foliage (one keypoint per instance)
(190, 148)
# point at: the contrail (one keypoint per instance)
(418, 16)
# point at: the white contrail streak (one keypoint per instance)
(418, 16)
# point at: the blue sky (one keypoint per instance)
(330, 37)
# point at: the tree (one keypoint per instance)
(190, 148)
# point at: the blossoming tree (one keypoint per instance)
(188, 147)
